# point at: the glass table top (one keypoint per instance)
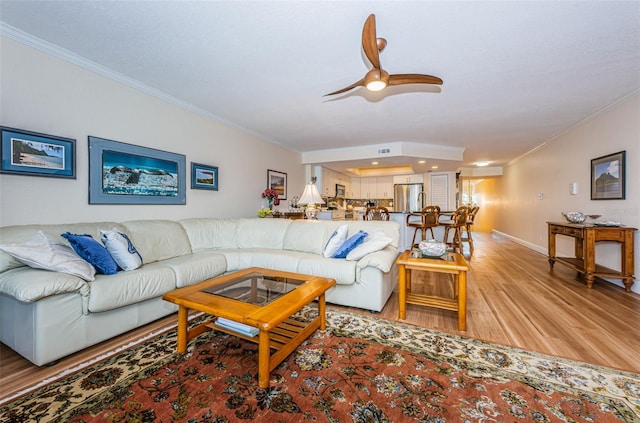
(255, 288)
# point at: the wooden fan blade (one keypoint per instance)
(360, 83)
(414, 78)
(369, 41)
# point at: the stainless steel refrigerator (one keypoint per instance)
(408, 197)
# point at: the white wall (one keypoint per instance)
(46, 94)
(549, 171)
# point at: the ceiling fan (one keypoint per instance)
(377, 78)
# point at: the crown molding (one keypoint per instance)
(73, 58)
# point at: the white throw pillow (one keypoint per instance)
(374, 242)
(42, 252)
(121, 249)
(337, 239)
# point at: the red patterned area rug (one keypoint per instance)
(361, 369)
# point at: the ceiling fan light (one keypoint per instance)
(376, 79)
(376, 85)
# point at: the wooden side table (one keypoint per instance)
(585, 238)
(452, 263)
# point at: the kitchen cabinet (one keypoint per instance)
(384, 187)
(372, 187)
(354, 191)
(368, 187)
(416, 178)
(326, 180)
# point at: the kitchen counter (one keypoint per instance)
(330, 215)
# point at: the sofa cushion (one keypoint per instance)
(344, 272)
(121, 249)
(158, 239)
(22, 233)
(305, 236)
(374, 242)
(338, 238)
(109, 292)
(262, 233)
(197, 267)
(352, 242)
(91, 250)
(206, 233)
(284, 260)
(41, 252)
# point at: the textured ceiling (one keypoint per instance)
(516, 74)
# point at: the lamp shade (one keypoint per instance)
(310, 195)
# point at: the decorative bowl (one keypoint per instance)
(574, 217)
(432, 248)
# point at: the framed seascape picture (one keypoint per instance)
(277, 181)
(608, 177)
(204, 177)
(121, 173)
(35, 154)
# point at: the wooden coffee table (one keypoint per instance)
(452, 263)
(259, 298)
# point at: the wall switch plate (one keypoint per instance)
(573, 188)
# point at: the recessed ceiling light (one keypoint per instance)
(481, 164)
(422, 161)
(434, 167)
(374, 163)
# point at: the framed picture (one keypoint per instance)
(277, 181)
(35, 154)
(607, 177)
(121, 173)
(204, 177)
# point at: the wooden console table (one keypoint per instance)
(585, 238)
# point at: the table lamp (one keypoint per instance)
(311, 196)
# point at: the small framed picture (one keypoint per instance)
(277, 181)
(204, 177)
(35, 154)
(608, 177)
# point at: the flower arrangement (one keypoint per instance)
(264, 212)
(272, 196)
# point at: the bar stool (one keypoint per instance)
(458, 224)
(376, 213)
(466, 235)
(429, 217)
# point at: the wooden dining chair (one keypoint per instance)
(376, 213)
(457, 225)
(424, 221)
(466, 235)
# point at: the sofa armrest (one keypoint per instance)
(383, 259)
(29, 285)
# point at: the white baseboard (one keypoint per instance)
(529, 245)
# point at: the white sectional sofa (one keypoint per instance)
(47, 315)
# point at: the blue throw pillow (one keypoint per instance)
(352, 242)
(91, 250)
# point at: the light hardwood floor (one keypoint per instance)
(513, 299)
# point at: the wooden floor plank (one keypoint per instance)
(514, 299)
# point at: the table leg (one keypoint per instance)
(588, 254)
(182, 328)
(402, 292)
(322, 311)
(264, 359)
(462, 300)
